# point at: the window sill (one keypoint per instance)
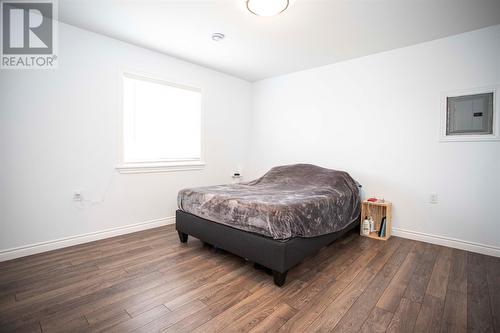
(156, 167)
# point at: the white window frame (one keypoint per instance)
(495, 136)
(160, 165)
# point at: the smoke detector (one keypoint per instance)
(217, 36)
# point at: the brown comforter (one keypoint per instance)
(300, 200)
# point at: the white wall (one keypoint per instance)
(59, 131)
(378, 118)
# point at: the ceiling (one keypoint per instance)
(309, 33)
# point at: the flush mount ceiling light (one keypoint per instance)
(267, 7)
(217, 36)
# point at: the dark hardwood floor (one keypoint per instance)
(149, 282)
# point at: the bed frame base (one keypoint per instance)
(276, 255)
(183, 237)
(279, 278)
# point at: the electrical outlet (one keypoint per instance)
(77, 195)
(433, 198)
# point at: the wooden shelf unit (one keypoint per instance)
(377, 210)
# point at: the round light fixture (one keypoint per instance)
(267, 7)
(217, 36)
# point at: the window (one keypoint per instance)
(470, 116)
(161, 125)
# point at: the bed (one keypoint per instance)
(276, 220)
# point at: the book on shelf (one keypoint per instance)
(382, 229)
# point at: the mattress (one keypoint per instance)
(299, 200)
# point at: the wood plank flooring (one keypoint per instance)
(149, 282)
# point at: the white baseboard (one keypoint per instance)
(27, 250)
(447, 241)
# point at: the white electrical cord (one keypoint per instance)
(88, 202)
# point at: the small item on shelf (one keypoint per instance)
(372, 199)
(365, 230)
(372, 224)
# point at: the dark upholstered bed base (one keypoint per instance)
(277, 255)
